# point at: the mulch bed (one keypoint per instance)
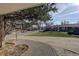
(11, 49)
(17, 50)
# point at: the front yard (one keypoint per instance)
(52, 34)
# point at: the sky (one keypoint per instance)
(66, 11)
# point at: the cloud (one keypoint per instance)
(68, 14)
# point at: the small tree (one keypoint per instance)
(33, 14)
(1, 30)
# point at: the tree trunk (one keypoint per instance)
(1, 31)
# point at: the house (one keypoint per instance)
(65, 27)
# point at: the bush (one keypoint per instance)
(71, 31)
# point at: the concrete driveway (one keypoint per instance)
(71, 45)
(38, 48)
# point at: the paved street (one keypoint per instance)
(70, 46)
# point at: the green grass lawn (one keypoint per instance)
(52, 34)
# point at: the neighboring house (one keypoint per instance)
(65, 28)
(34, 27)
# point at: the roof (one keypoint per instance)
(68, 25)
(10, 7)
